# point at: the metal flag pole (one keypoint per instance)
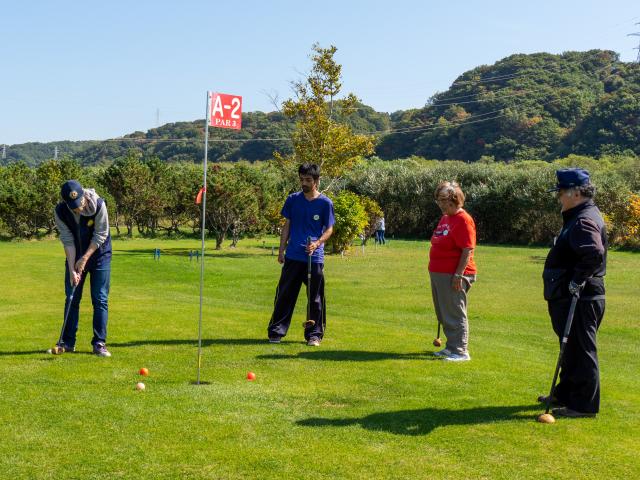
(204, 210)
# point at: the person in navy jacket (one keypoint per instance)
(83, 223)
(576, 266)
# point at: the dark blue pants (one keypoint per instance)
(380, 236)
(294, 274)
(100, 282)
(579, 385)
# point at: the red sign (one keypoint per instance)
(226, 111)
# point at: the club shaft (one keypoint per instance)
(66, 313)
(563, 344)
(308, 281)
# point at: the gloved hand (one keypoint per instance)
(575, 288)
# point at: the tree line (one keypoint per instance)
(146, 196)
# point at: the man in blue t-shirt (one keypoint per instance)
(309, 224)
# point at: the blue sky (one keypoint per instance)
(96, 70)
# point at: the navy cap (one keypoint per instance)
(72, 193)
(570, 178)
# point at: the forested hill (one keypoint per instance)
(537, 106)
(261, 135)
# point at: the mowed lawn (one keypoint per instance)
(371, 402)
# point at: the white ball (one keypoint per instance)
(49, 351)
(140, 386)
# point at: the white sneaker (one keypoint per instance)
(458, 357)
(442, 353)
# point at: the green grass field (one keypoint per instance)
(371, 402)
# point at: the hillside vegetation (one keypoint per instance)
(523, 107)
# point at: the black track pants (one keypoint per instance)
(579, 385)
(294, 274)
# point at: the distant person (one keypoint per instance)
(576, 265)
(452, 270)
(380, 231)
(83, 223)
(308, 214)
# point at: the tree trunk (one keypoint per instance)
(235, 237)
(117, 223)
(219, 240)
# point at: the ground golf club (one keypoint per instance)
(308, 322)
(58, 349)
(546, 417)
(437, 342)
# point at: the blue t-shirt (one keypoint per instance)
(308, 218)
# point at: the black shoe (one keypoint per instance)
(554, 401)
(567, 412)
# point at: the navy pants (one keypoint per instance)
(579, 386)
(294, 274)
(100, 283)
(380, 237)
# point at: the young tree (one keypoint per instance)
(49, 176)
(181, 182)
(18, 200)
(232, 202)
(351, 219)
(128, 180)
(318, 136)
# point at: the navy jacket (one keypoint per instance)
(581, 248)
(83, 233)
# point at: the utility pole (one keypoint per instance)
(636, 34)
(4, 152)
(55, 153)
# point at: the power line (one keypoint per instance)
(565, 68)
(187, 140)
(477, 118)
(449, 124)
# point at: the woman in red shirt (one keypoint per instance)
(452, 269)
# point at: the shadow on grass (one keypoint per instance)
(180, 252)
(194, 342)
(138, 343)
(425, 420)
(43, 351)
(351, 356)
(26, 352)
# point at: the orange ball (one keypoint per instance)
(251, 376)
(144, 372)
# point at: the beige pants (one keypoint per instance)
(451, 309)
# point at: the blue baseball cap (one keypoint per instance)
(570, 178)
(72, 193)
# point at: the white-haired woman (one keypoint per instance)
(452, 269)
